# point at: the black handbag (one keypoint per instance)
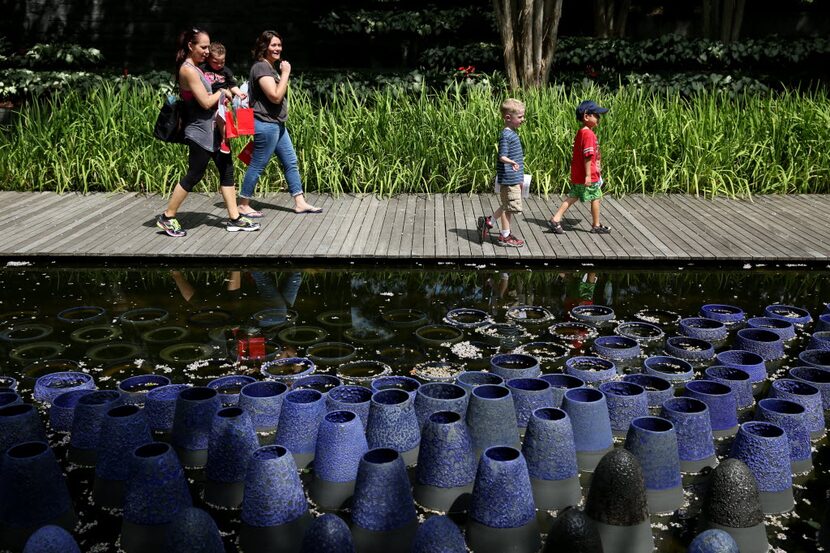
(170, 121)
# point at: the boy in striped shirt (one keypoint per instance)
(510, 175)
(586, 168)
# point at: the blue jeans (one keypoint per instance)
(270, 139)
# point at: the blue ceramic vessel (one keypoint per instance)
(471, 379)
(123, 429)
(446, 464)
(654, 442)
(626, 401)
(791, 417)
(737, 379)
(62, 410)
(768, 345)
(86, 425)
(703, 328)
(515, 365)
(675, 370)
(351, 398)
(231, 443)
(784, 329)
(9, 398)
(815, 358)
(398, 382)
(727, 314)
(550, 454)
(815, 376)
(820, 340)
(657, 389)
(561, 383)
(229, 387)
(19, 423)
(195, 408)
(748, 361)
(760, 445)
(51, 539)
(394, 424)
(713, 541)
(693, 427)
(323, 383)
(529, 394)
(616, 348)
(341, 443)
(590, 369)
(440, 396)
(160, 406)
(491, 418)
(134, 388)
(302, 411)
(51, 385)
(692, 350)
(789, 313)
(263, 401)
(588, 411)
(722, 404)
(807, 396)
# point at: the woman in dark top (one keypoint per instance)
(200, 136)
(267, 93)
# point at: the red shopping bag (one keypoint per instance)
(251, 348)
(230, 127)
(246, 153)
(245, 121)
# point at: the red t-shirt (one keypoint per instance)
(585, 146)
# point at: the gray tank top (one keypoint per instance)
(201, 126)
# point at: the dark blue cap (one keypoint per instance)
(588, 106)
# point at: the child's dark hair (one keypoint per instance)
(185, 38)
(262, 42)
(217, 49)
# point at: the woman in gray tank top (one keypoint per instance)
(200, 136)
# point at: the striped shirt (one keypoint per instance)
(510, 147)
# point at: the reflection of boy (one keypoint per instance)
(219, 77)
(580, 291)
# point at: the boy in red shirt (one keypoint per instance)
(586, 167)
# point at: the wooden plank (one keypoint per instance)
(293, 228)
(709, 233)
(386, 229)
(800, 214)
(662, 222)
(462, 228)
(778, 230)
(555, 245)
(408, 237)
(653, 247)
(361, 214)
(397, 230)
(422, 220)
(272, 223)
(123, 232)
(315, 227)
(442, 246)
(628, 238)
(671, 250)
(383, 218)
(340, 221)
(361, 243)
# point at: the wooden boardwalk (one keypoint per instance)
(362, 228)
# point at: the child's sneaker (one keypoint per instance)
(602, 229)
(242, 224)
(171, 226)
(224, 147)
(510, 241)
(483, 226)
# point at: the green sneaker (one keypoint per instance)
(171, 226)
(242, 224)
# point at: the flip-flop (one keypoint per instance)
(310, 210)
(252, 214)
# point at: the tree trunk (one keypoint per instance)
(529, 31)
(610, 18)
(722, 19)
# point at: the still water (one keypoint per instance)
(195, 325)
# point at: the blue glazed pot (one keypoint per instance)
(10, 398)
(341, 444)
(690, 349)
(820, 340)
(551, 459)
(616, 348)
(134, 389)
(274, 507)
(491, 418)
(643, 332)
(760, 445)
(592, 313)
(328, 534)
(588, 411)
(229, 387)
(617, 504)
(446, 463)
(732, 504)
(439, 534)
(818, 377)
(515, 365)
(789, 313)
(440, 396)
(626, 401)
(502, 508)
(723, 406)
(737, 379)
(320, 382)
(195, 409)
(808, 396)
(156, 491)
(160, 406)
(791, 417)
(657, 389)
(748, 361)
(123, 429)
(815, 358)
(561, 383)
(703, 329)
(19, 423)
(8, 383)
(195, 531)
(590, 369)
(727, 314)
(350, 398)
(399, 382)
(86, 425)
(33, 493)
(823, 322)
(768, 345)
(62, 410)
(654, 442)
(675, 370)
(51, 385)
(263, 401)
(713, 541)
(529, 394)
(693, 427)
(383, 510)
(231, 443)
(302, 411)
(784, 329)
(287, 369)
(471, 379)
(51, 539)
(394, 424)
